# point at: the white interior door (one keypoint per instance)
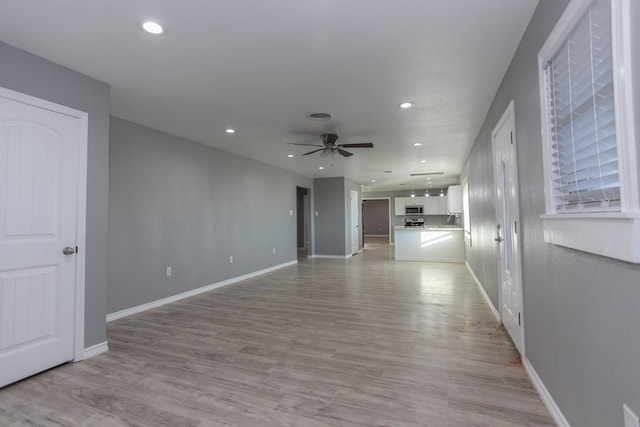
(39, 169)
(507, 220)
(355, 226)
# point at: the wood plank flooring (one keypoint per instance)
(360, 342)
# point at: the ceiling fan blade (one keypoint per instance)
(314, 151)
(344, 152)
(361, 145)
(426, 173)
(310, 145)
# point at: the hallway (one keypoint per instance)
(364, 341)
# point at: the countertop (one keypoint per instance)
(428, 228)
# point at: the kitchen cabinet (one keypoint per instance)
(433, 205)
(435, 244)
(401, 202)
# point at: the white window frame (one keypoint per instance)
(466, 213)
(611, 234)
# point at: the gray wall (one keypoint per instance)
(329, 199)
(375, 221)
(177, 203)
(27, 73)
(581, 311)
(332, 198)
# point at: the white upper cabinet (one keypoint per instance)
(433, 205)
(400, 203)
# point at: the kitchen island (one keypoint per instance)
(438, 243)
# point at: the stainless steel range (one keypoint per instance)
(414, 222)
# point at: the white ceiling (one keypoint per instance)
(261, 66)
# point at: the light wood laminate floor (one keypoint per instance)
(366, 341)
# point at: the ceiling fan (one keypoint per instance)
(329, 146)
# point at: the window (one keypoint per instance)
(591, 178)
(466, 217)
(582, 131)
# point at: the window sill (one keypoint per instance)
(613, 235)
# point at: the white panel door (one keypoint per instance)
(507, 220)
(355, 223)
(39, 158)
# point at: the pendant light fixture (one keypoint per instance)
(413, 195)
(426, 189)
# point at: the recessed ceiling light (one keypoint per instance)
(373, 180)
(423, 161)
(152, 27)
(230, 130)
(406, 104)
(289, 155)
(417, 144)
(321, 167)
(428, 178)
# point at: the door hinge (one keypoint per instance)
(519, 323)
(76, 249)
(515, 228)
(511, 133)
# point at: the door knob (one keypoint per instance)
(498, 238)
(68, 251)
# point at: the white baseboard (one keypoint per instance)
(158, 303)
(495, 312)
(546, 397)
(332, 256)
(95, 350)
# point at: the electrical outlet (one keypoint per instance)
(230, 259)
(316, 213)
(630, 419)
(274, 251)
(290, 212)
(169, 272)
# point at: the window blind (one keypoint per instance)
(583, 147)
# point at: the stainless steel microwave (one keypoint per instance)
(414, 210)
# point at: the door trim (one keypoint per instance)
(78, 333)
(355, 207)
(509, 116)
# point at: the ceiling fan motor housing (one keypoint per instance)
(329, 138)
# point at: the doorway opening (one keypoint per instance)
(303, 209)
(376, 221)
